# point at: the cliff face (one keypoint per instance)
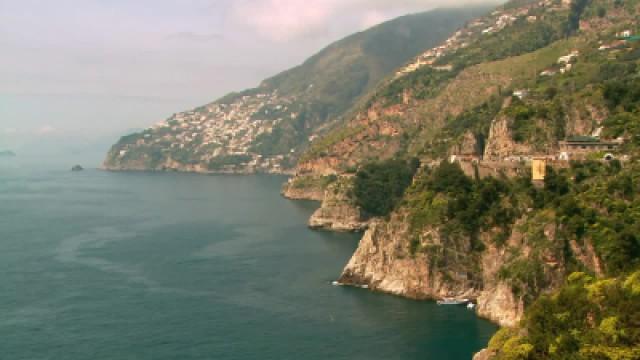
(338, 211)
(385, 262)
(313, 193)
(391, 258)
(501, 143)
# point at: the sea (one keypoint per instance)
(99, 265)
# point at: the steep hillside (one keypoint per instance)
(546, 89)
(487, 57)
(266, 128)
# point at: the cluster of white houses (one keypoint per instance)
(221, 129)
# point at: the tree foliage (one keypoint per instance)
(379, 186)
(587, 319)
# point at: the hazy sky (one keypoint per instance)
(79, 66)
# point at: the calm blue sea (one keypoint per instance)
(97, 265)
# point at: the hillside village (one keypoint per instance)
(220, 135)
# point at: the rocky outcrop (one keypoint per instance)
(484, 354)
(500, 143)
(392, 258)
(294, 192)
(584, 118)
(500, 305)
(468, 146)
(384, 263)
(338, 211)
(586, 254)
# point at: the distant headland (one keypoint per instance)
(7, 153)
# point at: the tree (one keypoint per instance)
(379, 186)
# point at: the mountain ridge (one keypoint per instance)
(266, 128)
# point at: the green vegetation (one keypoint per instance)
(220, 162)
(446, 196)
(379, 187)
(477, 121)
(313, 182)
(337, 78)
(589, 202)
(318, 148)
(623, 99)
(593, 203)
(587, 319)
(525, 125)
(521, 38)
(424, 83)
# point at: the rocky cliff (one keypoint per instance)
(385, 261)
(338, 211)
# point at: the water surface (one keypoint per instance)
(98, 265)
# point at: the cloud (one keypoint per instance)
(372, 18)
(283, 20)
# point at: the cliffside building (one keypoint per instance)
(578, 147)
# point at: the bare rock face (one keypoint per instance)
(338, 211)
(586, 254)
(392, 259)
(500, 143)
(484, 354)
(468, 146)
(303, 194)
(499, 304)
(377, 264)
(384, 262)
(293, 192)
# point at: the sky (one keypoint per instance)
(90, 68)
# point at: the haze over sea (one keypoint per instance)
(99, 265)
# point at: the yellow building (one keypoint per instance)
(538, 169)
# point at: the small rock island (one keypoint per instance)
(77, 168)
(7, 154)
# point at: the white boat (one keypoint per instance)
(449, 301)
(364, 286)
(336, 283)
(471, 306)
